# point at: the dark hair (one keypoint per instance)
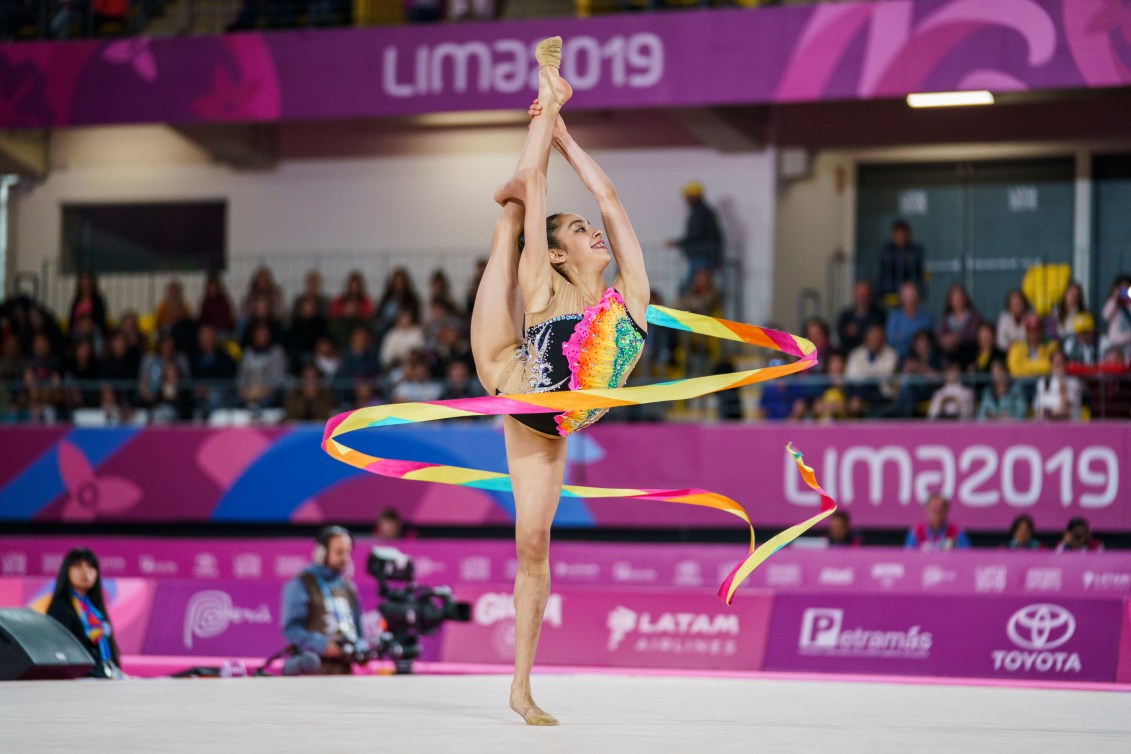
(62, 591)
(901, 225)
(1076, 521)
(553, 225)
(843, 516)
(1024, 518)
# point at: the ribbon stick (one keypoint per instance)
(557, 402)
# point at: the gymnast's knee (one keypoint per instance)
(532, 545)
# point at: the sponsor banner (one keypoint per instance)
(1123, 674)
(1004, 637)
(620, 628)
(215, 620)
(879, 473)
(804, 53)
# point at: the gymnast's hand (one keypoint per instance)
(559, 125)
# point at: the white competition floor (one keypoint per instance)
(599, 713)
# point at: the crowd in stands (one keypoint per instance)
(901, 362)
(306, 359)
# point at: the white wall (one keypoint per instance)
(426, 207)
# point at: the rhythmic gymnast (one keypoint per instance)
(576, 333)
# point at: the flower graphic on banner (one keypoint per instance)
(21, 95)
(229, 99)
(135, 52)
(88, 495)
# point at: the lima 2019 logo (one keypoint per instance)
(1037, 630)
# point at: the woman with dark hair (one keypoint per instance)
(354, 291)
(958, 328)
(577, 332)
(88, 302)
(1021, 534)
(1067, 311)
(77, 603)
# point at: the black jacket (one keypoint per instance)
(64, 612)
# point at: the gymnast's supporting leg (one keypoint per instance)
(537, 467)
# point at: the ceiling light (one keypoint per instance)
(950, 99)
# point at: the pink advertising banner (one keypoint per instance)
(801, 53)
(634, 628)
(979, 637)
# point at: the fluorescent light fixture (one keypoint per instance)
(950, 99)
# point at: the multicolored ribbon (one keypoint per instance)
(573, 400)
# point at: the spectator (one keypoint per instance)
(817, 332)
(833, 402)
(118, 365)
(424, 11)
(901, 261)
(389, 525)
(88, 302)
(1080, 346)
(1059, 395)
(11, 360)
(260, 312)
(360, 359)
(868, 371)
(355, 291)
(416, 384)
(839, 532)
(173, 307)
(216, 307)
(1002, 398)
(856, 319)
(907, 320)
(440, 289)
(1030, 358)
(449, 347)
(405, 337)
(321, 611)
(85, 329)
(262, 370)
(41, 322)
(137, 342)
(700, 297)
(78, 604)
(81, 374)
(702, 240)
(953, 400)
(115, 409)
(152, 370)
(1011, 322)
(1067, 312)
(1078, 537)
(936, 533)
(43, 381)
(440, 314)
(341, 329)
(922, 373)
(327, 358)
(1021, 534)
(212, 371)
(310, 400)
(1117, 314)
(784, 398)
(986, 352)
(460, 382)
(399, 294)
(365, 394)
(958, 328)
(173, 399)
(473, 285)
(262, 286)
(307, 327)
(312, 288)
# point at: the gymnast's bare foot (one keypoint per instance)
(523, 704)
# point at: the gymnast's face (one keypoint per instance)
(581, 246)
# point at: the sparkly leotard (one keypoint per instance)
(596, 347)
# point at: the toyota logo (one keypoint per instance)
(1041, 626)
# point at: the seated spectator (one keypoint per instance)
(85, 329)
(43, 381)
(115, 408)
(260, 312)
(868, 372)
(88, 302)
(839, 532)
(172, 308)
(907, 320)
(262, 286)
(321, 610)
(958, 328)
(312, 288)
(783, 398)
(81, 374)
(137, 342)
(118, 365)
(817, 332)
(416, 384)
(354, 291)
(986, 352)
(327, 358)
(405, 337)
(953, 400)
(1021, 536)
(389, 525)
(856, 319)
(262, 371)
(1011, 322)
(399, 294)
(833, 402)
(1064, 320)
(440, 289)
(1002, 398)
(450, 346)
(365, 394)
(1059, 395)
(173, 400)
(212, 370)
(307, 327)
(936, 532)
(702, 296)
(40, 322)
(1030, 357)
(460, 382)
(473, 286)
(341, 329)
(216, 307)
(152, 370)
(1117, 314)
(1078, 538)
(79, 606)
(360, 360)
(1080, 346)
(309, 400)
(922, 374)
(440, 315)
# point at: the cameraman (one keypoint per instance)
(321, 612)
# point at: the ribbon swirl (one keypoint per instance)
(573, 400)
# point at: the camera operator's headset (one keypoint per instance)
(323, 539)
